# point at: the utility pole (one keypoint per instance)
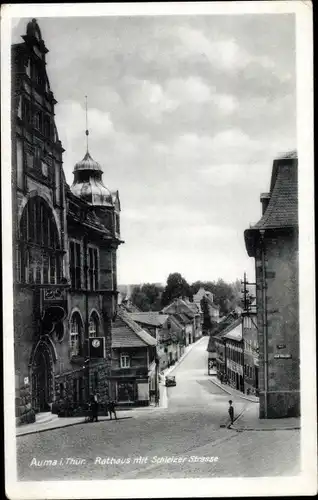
(245, 292)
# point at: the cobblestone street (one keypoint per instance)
(184, 440)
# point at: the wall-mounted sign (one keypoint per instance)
(26, 380)
(281, 346)
(235, 367)
(282, 356)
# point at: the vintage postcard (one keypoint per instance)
(158, 250)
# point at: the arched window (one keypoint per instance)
(39, 248)
(93, 325)
(76, 328)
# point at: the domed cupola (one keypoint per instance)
(88, 183)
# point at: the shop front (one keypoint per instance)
(132, 392)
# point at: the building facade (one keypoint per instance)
(208, 305)
(273, 242)
(188, 314)
(169, 333)
(64, 255)
(133, 370)
(251, 350)
(234, 357)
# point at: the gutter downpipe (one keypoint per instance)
(86, 278)
(265, 336)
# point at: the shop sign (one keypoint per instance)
(235, 367)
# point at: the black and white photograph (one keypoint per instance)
(158, 250)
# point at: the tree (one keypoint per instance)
(207, 323)
(176, 287)
(147, 297)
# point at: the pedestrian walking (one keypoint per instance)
(156, 399)
(112, 410)
(231, 412)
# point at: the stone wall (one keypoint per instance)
(282, 325)
(24, 412)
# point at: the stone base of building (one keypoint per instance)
(280, 405)
(75, 388)
(24, 412)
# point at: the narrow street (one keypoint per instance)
(141, 443)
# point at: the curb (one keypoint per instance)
(70, 424)
(243, 429)
(50, 428)
(233, 394)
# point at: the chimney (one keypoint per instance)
(265, 197)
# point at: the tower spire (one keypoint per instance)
(86, 131)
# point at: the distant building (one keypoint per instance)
(216, 347)
(189, 314)
(212, 308)
(168, 332)
(273, 242)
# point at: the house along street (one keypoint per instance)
(183, 440)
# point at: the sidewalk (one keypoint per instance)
(250, 421)
(233, 392)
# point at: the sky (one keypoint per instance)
(186, 114)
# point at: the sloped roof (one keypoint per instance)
(228, 328)
(235, 333)
(174, 320)
(179, 305)
(127, 333)
(282, 208)
(182, 318)
(149, 318)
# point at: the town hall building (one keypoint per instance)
(64, 257)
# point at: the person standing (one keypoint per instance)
(231, 412)
(95, 405)
(157, 399)
(112, 410)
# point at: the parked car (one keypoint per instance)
(170, 381)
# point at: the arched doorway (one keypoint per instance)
(41, 377)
